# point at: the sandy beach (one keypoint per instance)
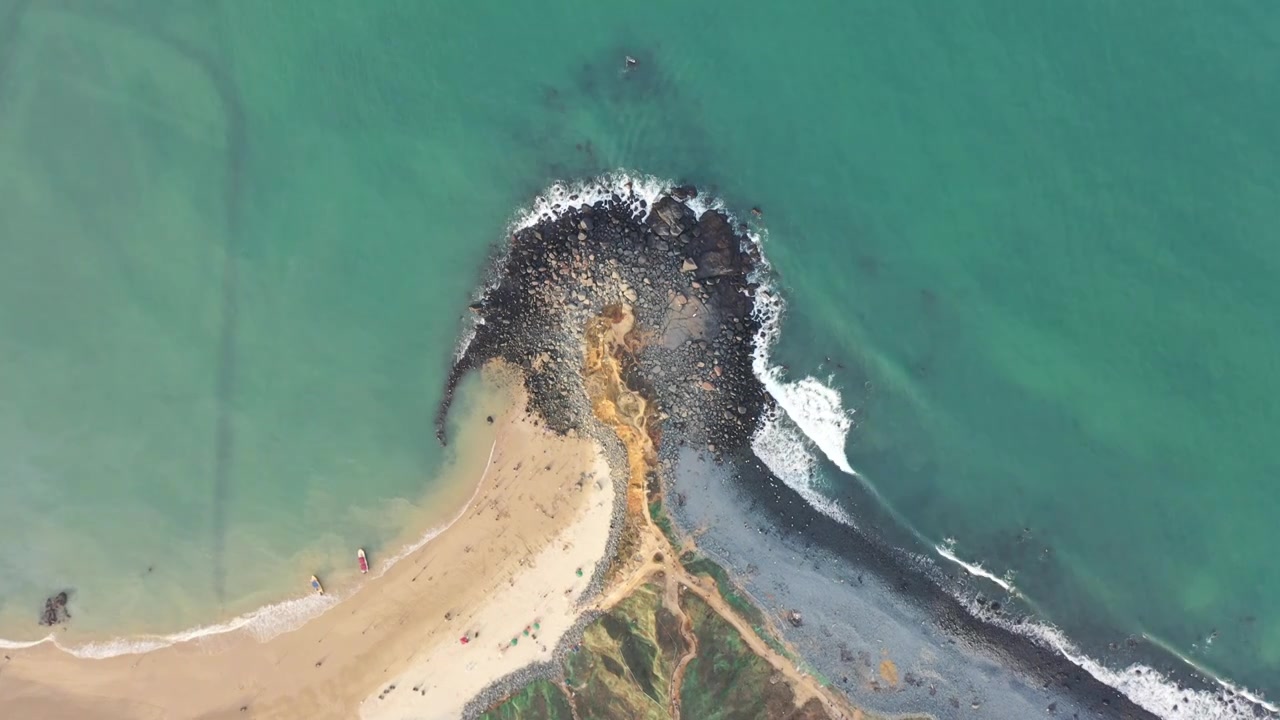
(518, 557)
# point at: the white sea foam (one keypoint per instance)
(468, 334)
(811, 414)
(1147, 687)
(562, 196)
(947, 550)
(788, 454)
(22, 644)
(262, 624)
(816, 408)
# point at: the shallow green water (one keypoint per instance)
(237, 238)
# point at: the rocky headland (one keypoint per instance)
(684, 278)
(636, 322)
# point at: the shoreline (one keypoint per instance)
(288, 612)
(138, 644)
(635, 241)
(785, 553)
(336, 663)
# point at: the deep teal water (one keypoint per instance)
(1035, 240)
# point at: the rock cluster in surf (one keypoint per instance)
(686, 278)
(55, 610)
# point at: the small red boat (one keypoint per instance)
(364, 563)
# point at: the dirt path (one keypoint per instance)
(649, 555)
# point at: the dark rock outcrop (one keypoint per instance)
(695, 363)
(670, 217)
(55, 610)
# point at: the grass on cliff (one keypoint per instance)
(736, 600)
(727, 680)
(663, 522)
(728, 590)
(625, 664)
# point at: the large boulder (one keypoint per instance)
(718, 263)
(670, 217)
(684, 192)
(713, 232)
(714, 247)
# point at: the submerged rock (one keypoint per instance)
(55, 610)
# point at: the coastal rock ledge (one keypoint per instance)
(684, 277)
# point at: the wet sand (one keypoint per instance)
(541, 511)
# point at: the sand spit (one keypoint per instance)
(541, 512)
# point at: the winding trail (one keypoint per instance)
(646, 554)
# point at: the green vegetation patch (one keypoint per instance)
(727, 681)
(728, 590)
(664, 523)
(624, 666)
(539, 700)
(776, 645)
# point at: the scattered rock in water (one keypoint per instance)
(55, 610)
(684, 192)
(795, 618)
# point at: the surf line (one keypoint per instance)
(977, 570)
(432, 534)
(1228, 686)
(302, 610)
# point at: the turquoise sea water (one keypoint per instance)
(1034, 240)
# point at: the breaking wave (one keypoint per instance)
(1147, 687)
(947, 550)
(263, 624)
(813, 416)
(788, 454)
(266, 622)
